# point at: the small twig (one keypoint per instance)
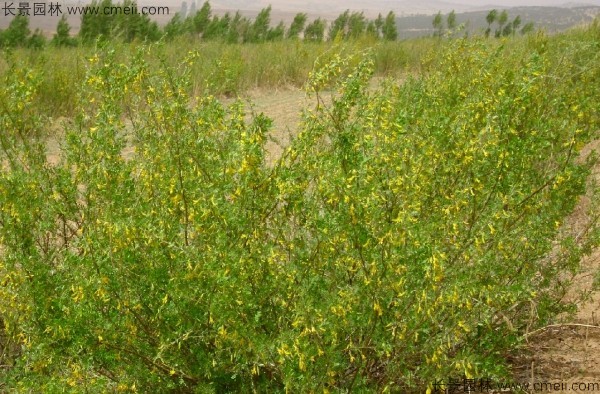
(559, 326)
(532, 374)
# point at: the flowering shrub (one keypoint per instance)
(400, 239)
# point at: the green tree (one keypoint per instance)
(260, 27)
(372, 30)
(17, 32)
(339, 25)
(62, 37)
(389, 28)
(315, 31)
(297, 26)
(188, 25)
(202, 18)
(379, 22)
(238, 29)
(528, 28)
(218, 27)
(128, 27)
(502, 19)
(37, 40)
(451, 20)
(490, 19)
(174, 27)
(97, 25)
(438, 25)
(357, 24)
(151, 30)
(276, 33)
(516, 23)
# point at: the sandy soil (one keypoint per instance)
(284, 108)
(569, 352)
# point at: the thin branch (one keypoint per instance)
(560, 326)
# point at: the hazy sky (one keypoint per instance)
(513, 3)
(336, 3)
(508, 3)
(333, 7)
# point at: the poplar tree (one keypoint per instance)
(297, 26)
(389, 28)
(62, 37)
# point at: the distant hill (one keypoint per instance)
(552, 19)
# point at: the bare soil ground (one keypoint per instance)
(284, 108)
(569, 351)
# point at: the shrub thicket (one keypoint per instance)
(401, 238)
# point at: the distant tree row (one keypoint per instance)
(19, 34)
(233, 29)
(118, 26)
(438, 23)
(238, 28)
(504, 27)
(200, 23)
(355, 24)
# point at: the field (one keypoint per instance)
(343, 216)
